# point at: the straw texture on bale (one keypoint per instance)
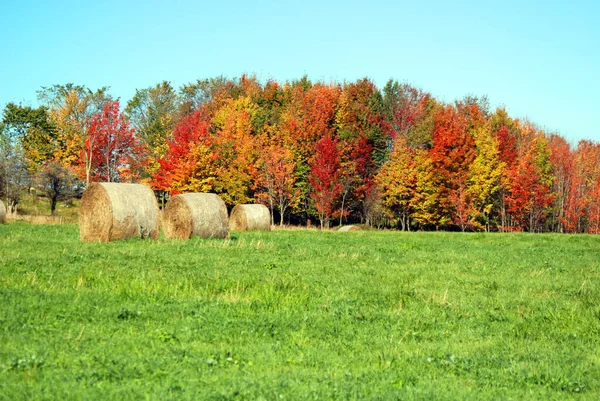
(349, 228)
(250, 217)
(2, 212)
(112, 211)
(195, 214)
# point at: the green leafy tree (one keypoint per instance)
(16, 123)
(153, 113)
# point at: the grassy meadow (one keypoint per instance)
(299, 315)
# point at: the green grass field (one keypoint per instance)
(299, 315)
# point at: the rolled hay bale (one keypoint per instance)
(250, 217)
(111, 211)
(2, 213)
(344, 229)
(200, 214)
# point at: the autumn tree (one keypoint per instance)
(307, 115)
(207, 94)
(452, 153)
(324, 179)
(562, 160)
(357, 173)
(235, 150)
(112, 151)
(189, 162)
(360, 114)
(277, 179)
(505, 131)
(71, 107)
(530, 196)
(594, 209)
(426, 202)
(409, 114)
(582, 204)
(397, 180)
(485, 178)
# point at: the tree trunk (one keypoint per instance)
(12, 208)
(531, 228)
(88, 166)
(108, 168)
(502, 212)
(282, 208)
(53, 203)
(342, 210)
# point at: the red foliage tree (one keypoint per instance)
(507, 151)
(530, 195)
(581, 210)
(563, 169)
(277, 179)
(406, 106)
(325, 179)
(594, 209)
(112, 152)
(308, 116)
(452, 153)
(188, 162)
(356, 173)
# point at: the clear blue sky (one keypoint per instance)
(540, 59)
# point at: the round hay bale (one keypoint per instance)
(349, 228)
(2, 212)
(111, 211)
(200, 214)
(250, 217)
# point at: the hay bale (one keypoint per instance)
(111, 211)
(250, 217)
(344, 229)
(200, 214)
(2, 212)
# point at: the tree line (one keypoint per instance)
(311, 151)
